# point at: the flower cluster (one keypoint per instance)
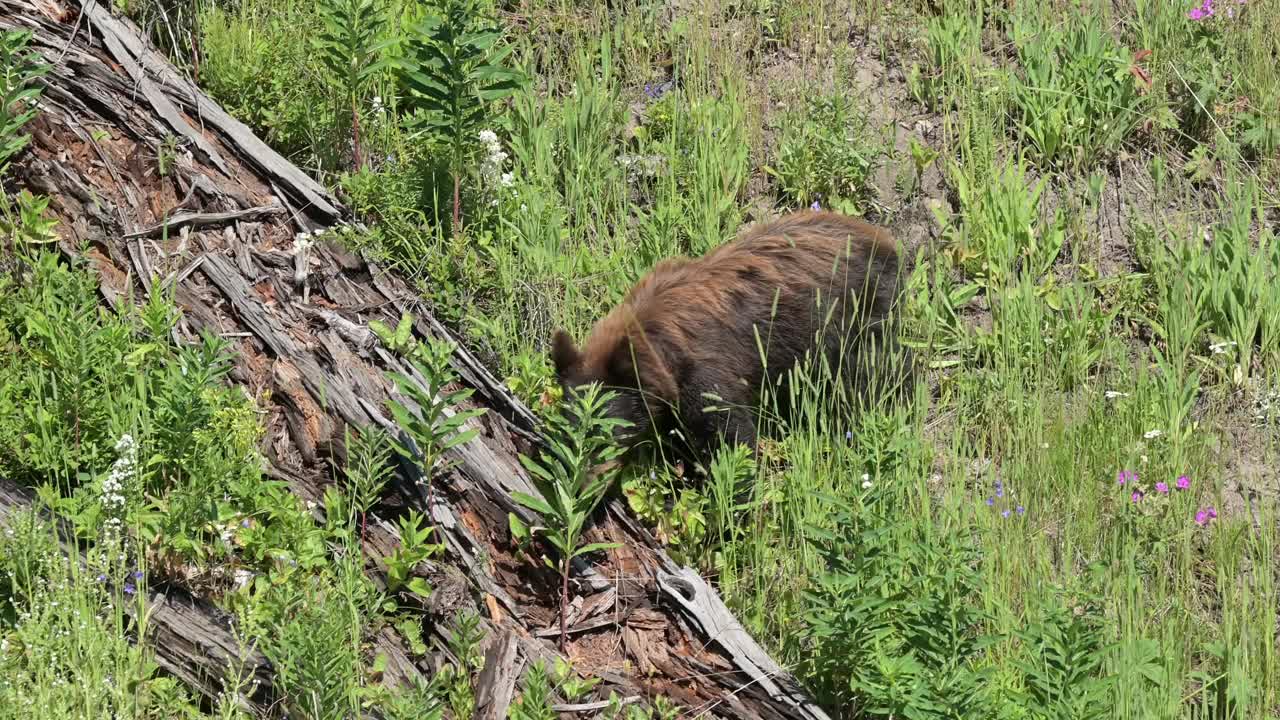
(132, 581)
(1205, 10)
(999, 495)
(1204, 516)
(1130, 478)
(491, 164)
(114, 484)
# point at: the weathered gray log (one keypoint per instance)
(641, 623)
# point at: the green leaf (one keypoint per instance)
(519, 530)
(419, 587)
(533, 503)
(594, 547)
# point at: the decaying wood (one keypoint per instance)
(641, 623)
(497, 682)
(203, 219)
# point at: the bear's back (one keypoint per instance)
(773, 268)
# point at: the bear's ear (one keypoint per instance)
(564, 353)
(638, 364)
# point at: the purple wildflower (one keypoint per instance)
(1005, 513)
(244, 523)
(999, 490)
(102, 578)
(815, 206)
(1137, 496)
(1162, 487)
(1183, 482)
(848, 434)
(1020, 510)
(1195, 14)
(991, 501)
(1204, 516)
(1126, 476)
(128, 588)
(137, 575)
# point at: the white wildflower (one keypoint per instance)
(1152, 434)
(114, 484)
(866, 481)
(302, 242)
(491, 165)
(1221, 348)
(1113, 394)
(242, 577)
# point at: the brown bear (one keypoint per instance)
(683, 350)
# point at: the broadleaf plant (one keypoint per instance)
(434, 428)
(571, 478)
(350, 47)
(454, 74)
(19, 69)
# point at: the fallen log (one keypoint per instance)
(208, 229)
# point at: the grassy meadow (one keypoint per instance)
(1076, 516)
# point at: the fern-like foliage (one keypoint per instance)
(351, 47)
(454, 70)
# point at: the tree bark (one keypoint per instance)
(218, 232)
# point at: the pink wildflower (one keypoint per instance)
(1184, 482)
(1204, 516)
(1162, 487)
(1137, 496)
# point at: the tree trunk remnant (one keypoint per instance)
(217, 230)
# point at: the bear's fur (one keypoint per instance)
(696, 326)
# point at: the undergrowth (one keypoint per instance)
(1074, 517)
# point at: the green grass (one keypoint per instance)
(1101, 300)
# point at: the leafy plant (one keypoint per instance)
(454, 75)
(367, 469)
(823, 157)
(27, 223)
(1065, 648)
(680, 524)
(535, 702)
(1078, 99)
(434, 428)
(951, 49)
(1004, 235)
(413, 549)
(571, 479)
(891, 623)
(167, 155)
(351, 46)
(310, 628)
(458, 678)
(19, 69)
